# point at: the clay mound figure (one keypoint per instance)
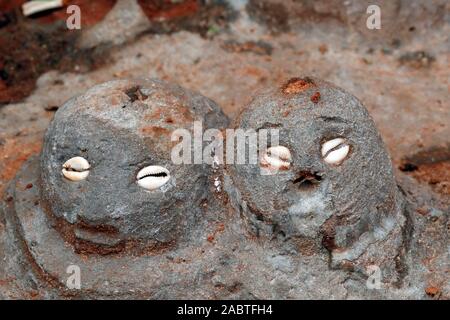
(132, 192)
(329, 179)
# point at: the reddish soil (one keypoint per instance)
(315, 98)
(257, 47)
(92, 12)
(203, 17)
(437, 175)
(166, 9)
(297, 85)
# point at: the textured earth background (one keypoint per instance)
(227, 50)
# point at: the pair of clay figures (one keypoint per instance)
(107, 185)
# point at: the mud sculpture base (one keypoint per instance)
(223, 261)
(252, 238)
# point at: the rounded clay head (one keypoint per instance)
(106, 163)
(330, 178)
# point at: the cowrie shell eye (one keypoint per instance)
(152, 177)
(335, 151)
(275, 158)
(76, 169)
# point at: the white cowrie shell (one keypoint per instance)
(76, 169)
(335, 151)
(152, 177)
(276, 158)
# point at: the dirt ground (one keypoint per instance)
(228, 50)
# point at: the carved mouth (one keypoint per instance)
(307, 180)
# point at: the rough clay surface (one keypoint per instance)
(121, 127)
(400, 73)
(307, 231)
(346, 207)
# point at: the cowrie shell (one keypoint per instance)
(152, 177)
(276, 158)
(76, 169)
(334, 151)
